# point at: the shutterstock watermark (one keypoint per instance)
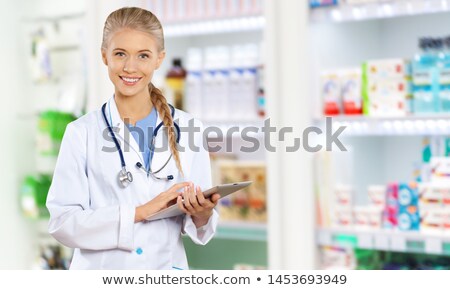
(215, 139)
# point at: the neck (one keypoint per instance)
(133, 108)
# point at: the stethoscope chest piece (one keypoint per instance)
(125, 177)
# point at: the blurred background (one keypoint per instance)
(379, 68)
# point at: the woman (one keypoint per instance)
(104, 218)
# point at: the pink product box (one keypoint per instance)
(390, 213)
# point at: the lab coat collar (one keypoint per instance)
(112, 113)
(159, 158)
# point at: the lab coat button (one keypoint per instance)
(139, 251)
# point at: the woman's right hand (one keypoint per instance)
(160, 202)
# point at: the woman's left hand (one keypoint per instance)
(196, 205)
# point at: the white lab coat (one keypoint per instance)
(90, 212)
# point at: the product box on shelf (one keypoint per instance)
(440, 169)
(386, 87)
(367, 217)
(377, 195)
(342, 218)
(432, 220)
(431, 196)
(408, 210)
(330, 84)
(351, 91)
(343, 196)
(375, 217)
(361, 218)
(322, 3)
(341, 91)
(387, 68)
(248, 204)
(390, 213)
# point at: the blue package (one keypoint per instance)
(408, 210)
(322, 3)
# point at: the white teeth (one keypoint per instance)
(130, 80)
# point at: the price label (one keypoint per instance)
(433, 246)
(381, 242)
(398, 244)
(365, 241)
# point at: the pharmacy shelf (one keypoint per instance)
(242, 231)
(212, 27)
(386, 9)
(385, 240)
(433, 124)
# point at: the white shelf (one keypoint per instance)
(383, 9)
(436, 124)
(385, 240)
(210, 27)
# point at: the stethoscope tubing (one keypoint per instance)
(122, 159)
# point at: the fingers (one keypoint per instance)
(181, 205)
(190, 199)
(215, 198)
(178, 186)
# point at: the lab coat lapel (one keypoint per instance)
(112, 113)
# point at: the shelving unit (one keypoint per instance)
(383, 149)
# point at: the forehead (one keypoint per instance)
(132, 40)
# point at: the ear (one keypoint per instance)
(105, 60)
(160, 59)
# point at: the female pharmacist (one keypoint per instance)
(100, 208)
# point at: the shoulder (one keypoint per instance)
(82, 125)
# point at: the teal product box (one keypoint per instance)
(408, 207)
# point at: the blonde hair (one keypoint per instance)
(145, 21)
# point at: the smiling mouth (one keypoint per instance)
(129, 81)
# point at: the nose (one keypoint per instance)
(129, 65)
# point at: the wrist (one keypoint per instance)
(201, 220)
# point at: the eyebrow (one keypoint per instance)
(142, 50)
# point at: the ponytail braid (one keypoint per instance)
(160, 103)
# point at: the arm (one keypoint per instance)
(72, 221)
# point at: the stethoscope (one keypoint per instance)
(125, 177)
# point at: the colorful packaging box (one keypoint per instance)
(351, 91)
(386, 87)
(390, 213)
(408, 201)
(330, 84)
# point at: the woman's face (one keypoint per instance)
(132, 56)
